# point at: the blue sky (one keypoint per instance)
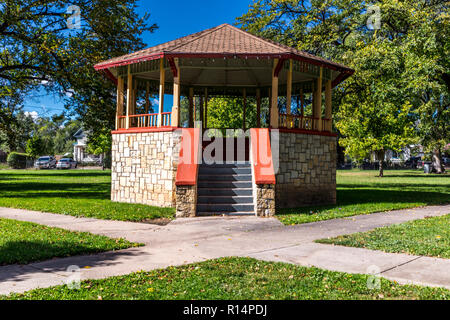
(175, 18)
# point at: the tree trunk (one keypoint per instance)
(437, 163)
(380, 156)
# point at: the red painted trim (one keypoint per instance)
(341, 77)
(262, 161)
(154, 56)
(345, 72)
(310, 132)
(187, 170)
(173, 66)
(278, 67)
(144, 130)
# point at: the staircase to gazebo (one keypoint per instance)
(225, 189)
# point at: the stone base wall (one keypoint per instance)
(186, 201)
(144, 167)
(307, 170)
(265, 200)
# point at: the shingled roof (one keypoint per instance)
(221, 41)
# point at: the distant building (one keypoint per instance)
(79, 149)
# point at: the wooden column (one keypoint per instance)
(134, 96)
(258, 108)
(328, 105)
(244, 107)
(119, 107)
(317, 109)
(302, 102)
(162, 79)
(129, 97)
(201, 111)
(289, 89)
(147, 97)
(206, 109)
(274, 98)
(175, 122)
(191, 108)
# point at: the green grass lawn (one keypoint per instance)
(24, 242)
(236, 278)
(426, 237)
(361, 192)
(74, 192)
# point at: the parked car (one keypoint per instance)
(413, 162)
(45, 162)
(66, 163)
(446, 161)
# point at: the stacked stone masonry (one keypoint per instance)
(307, 170)
(144, 167)
(186, 201)
(265, 200)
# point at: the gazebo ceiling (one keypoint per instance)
(224, 57)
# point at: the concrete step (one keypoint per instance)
(225, 207)
(225, 177)
(226, 165)
(205, 214)
(207, 170)
(224, 192)
(224, 199)
(223, 184)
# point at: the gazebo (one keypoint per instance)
(148, 147)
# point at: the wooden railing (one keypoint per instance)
(121, 122)
(144, 120)
(166, 119)
(292, 121)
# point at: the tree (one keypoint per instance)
(41, 46)
(36, 147)
(15, 125)
(100, 144)
(378, 115)
(402, 69)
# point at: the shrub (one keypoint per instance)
(17, 160)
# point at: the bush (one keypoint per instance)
(17, 160)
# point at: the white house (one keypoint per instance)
(79, 149)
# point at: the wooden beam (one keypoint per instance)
(176, 96)
(244, 111)
(328, 111)
(317, 105)
(201, 112)
(119, 107)
(162, 79)
(191, 108)
(302, 102)
(135, 92)
(147, 97)
(278, 66)
(206, 108)
(129, 98)
(258, 108)
(289, 89)
(274, 96)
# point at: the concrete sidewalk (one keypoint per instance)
(197, 239)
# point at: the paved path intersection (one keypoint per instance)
(198, 239)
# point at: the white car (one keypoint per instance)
(66, 163)
(46, 162)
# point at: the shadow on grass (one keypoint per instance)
(51, 173)
(22, 252)
(45, 190)
(364, 197)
